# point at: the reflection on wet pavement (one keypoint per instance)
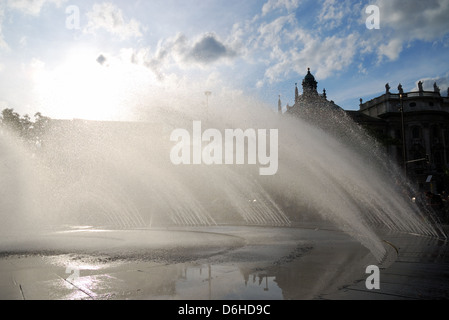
(273, 264)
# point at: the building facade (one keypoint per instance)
(414, 128)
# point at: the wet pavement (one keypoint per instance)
(219, 263)
(420, 272)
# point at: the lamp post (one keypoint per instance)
(266, 283)
(404, 148)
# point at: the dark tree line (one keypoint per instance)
(23, 126)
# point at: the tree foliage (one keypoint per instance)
(24, 126)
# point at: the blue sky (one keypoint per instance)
(122, 58)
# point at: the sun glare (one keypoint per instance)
(83, 88)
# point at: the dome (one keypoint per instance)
(309, 77)
(309, 83)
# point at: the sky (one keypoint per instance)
(117, 59)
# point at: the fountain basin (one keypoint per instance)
(203, 263)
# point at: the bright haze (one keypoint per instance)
(115, 60)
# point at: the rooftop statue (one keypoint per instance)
(436, 88)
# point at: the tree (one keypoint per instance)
(24, 127)
(11, 120)
(40, 125)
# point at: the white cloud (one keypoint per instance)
(28, 7)
(32, 7)
(177, 92)
(333, 12)
(23, 41)
(285, 49)
(404, 21)
(3, 104)
(272, 5)
(271, 34)
(3, 44)
(323, 55)
(415, 19)
(37, 64)
(109, 17)
(391, 50)
(428, 83)
(180, 52)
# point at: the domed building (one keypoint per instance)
(310, 98)
(421, 117)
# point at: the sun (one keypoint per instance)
(84, 86)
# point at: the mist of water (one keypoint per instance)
(120, 175)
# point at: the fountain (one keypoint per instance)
(118, 176)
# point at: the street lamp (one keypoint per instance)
(404, 148)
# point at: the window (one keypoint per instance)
(412, 104)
